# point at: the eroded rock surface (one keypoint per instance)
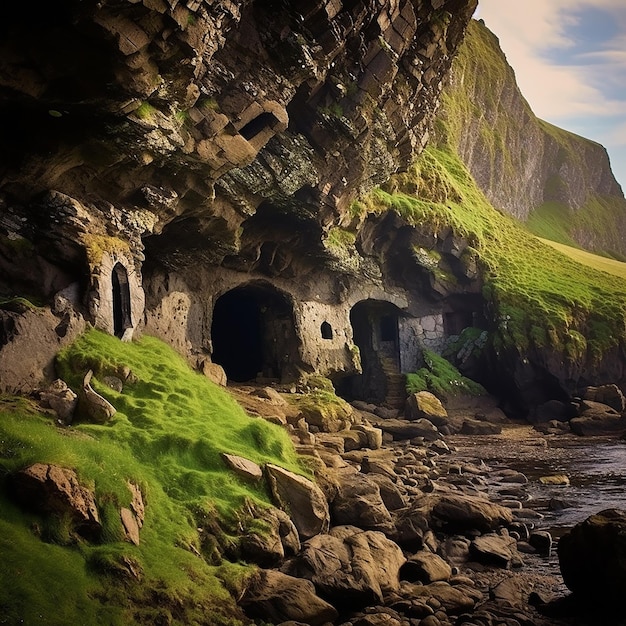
(54, 490)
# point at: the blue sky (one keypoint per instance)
(569, 57)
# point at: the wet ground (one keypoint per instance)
(596, 468)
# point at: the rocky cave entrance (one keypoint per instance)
(121, 300)
(376, 333)
(253, 333)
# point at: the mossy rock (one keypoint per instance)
(325, 411)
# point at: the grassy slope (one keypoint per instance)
(170, 427)
(610, 266)
(539, 297)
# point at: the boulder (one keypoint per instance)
(328, 415)
(426, 405)
(353, 439)
(303, 499)
(358, 503)
(610, 395)
(214, 372)
(374, 435)
(382, 466)
(426, 567)
(278, 539)
(477, 427)
(349, 566)
(498, 550)
(50, 489)
(379, 616)
(61, 399)
(276, 597)
(541, 540)
(592, 557)
(243, 467)
(553, 410)
(455, 599)
(390, 493)
(463, 512)
(271, 395)
(597, 419)
(405, 429)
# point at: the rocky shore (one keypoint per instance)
(421, 516)
(402, 528)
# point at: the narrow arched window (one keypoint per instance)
(121, 300)
(327, 330)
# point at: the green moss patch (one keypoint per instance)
(441, 378)
(166, 437)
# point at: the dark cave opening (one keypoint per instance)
(253, 333)
(375, 332)
(258, 124)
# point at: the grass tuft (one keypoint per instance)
(441, 378)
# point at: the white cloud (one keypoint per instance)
(528, 32)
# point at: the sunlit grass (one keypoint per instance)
(167, 436)
(604, 264)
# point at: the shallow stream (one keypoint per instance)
(596, 468)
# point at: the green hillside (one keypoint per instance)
(604, 264)
(539, 297)
(166, 437)
(558, 183)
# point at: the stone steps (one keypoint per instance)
(395, 383)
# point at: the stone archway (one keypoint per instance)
(253, 333)
(376, 333)
(121, 300)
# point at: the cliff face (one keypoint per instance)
(199, 171)
(160, 155)
(525, 166)
(199, 112)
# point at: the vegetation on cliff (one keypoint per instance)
(441, 378)
(166, 437)
(539, 298)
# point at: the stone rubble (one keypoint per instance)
(415, 539)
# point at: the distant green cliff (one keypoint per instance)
(558, 183)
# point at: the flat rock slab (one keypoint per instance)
(405, 429)
(499, 550)
(243, 467)
(464, 512)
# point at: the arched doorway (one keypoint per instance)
(375, 332)
(253, 333)
(121, 300)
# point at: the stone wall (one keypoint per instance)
(180, 311)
